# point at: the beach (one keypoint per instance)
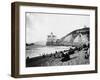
(56, 59)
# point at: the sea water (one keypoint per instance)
(41, 50)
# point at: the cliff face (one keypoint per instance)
(76, 37)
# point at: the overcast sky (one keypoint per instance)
(39, 25)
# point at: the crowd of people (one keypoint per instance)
(66, 53)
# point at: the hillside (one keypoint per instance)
(75, 37)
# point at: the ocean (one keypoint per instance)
(35, 51)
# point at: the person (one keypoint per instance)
(66, 57)
(87, 53)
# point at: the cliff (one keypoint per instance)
(76, 37)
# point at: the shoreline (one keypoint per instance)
(75, 58)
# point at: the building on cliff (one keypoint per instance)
(51, 40)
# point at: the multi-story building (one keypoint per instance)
(51, 39)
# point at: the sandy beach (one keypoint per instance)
(78, 58)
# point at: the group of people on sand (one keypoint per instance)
(65, 55)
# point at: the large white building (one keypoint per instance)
(51, 39)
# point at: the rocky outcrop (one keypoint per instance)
(76, 37)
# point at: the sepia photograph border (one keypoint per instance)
(15, 39)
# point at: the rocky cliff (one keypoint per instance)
(76, 37)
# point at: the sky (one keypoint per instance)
(39, 25)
